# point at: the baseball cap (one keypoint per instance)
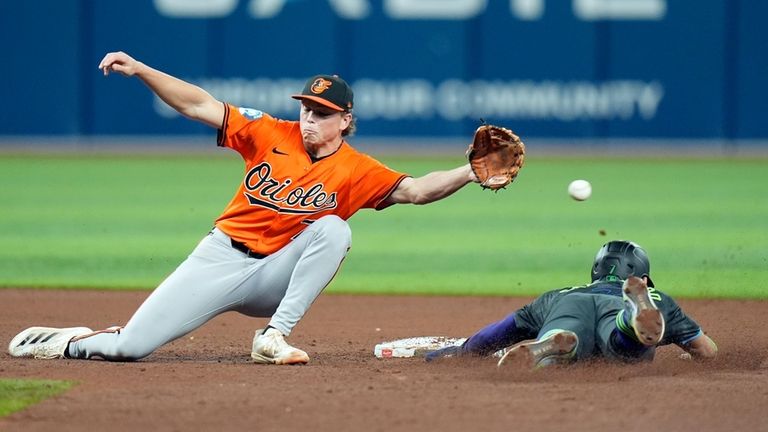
(328, 90)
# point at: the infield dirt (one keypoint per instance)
(206, 381)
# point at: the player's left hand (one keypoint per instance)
(496, 156)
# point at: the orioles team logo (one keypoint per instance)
(264, 191)
(320, 85)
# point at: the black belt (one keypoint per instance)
(244, 249)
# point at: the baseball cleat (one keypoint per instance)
(556, 347)
(271, 348)
(645, 318)
(44, 342)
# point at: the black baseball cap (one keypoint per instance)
(328, 90)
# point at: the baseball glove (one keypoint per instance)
(496, 156)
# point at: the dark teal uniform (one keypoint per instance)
(593, 312)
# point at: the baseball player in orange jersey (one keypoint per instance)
(280, 240)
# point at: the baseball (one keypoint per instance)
(579, 190)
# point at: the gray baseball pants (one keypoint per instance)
(217, 278)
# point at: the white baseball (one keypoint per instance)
(579, 190)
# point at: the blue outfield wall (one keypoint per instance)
(657, 69)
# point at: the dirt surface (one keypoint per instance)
(205, 380)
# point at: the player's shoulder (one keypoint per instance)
(251, 114)
(356, 157)
(256, 115)
(568, 289)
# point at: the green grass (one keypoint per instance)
(15, 395)
(126, 222)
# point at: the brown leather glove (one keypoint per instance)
(496, 156)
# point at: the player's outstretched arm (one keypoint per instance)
(188, 99)
(703, 347)
(431, 187)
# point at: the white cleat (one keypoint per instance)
(44, 342)
(271, 348)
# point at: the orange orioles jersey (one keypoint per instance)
(283, 190)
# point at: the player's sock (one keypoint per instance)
(494, 337)
(628, 348)
(625, 326)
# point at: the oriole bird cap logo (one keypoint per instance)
(328, 90)
(320, 85)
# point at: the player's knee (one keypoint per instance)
(334, 228)
(128, 349)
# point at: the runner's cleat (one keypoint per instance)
(645, 318)
(556, 347)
